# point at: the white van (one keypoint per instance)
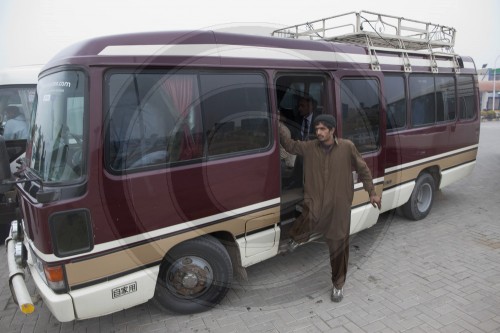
(17, 92)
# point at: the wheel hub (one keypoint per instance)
(189, 277)
(424, 197)
(189, 280)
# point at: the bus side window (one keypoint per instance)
(236, 113)
(152, 120)
(182, 97)
(361, 112)
(445, 94)
(423, 105)
(395, 98)
(465, 89)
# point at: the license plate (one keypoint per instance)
(124, 290)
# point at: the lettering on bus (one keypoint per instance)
(124, 290)
(65, 84)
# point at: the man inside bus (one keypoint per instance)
(307, 109)
(16, 127)
(328, 193)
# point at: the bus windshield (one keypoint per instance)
(57, 127)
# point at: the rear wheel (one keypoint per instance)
(421, 199)
(194, 276)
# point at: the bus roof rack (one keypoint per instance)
(384, 31)
(378, 32)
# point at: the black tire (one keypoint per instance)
(194, 276)
(420, 203)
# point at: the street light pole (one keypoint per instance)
(494, 81)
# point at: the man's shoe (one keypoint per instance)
(337, 294)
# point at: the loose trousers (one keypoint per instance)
(339, 259)
(338, 248)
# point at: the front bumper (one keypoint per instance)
(92, 301)
(61, 306)
(16, 281)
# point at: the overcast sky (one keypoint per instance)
(32, 31)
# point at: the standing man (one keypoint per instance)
(328, 193)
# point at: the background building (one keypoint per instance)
(489, 80)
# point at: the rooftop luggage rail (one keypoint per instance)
(380, 32)
(383, 31)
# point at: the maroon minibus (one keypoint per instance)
(153, 170)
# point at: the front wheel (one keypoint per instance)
(421, 199)
(194, 276)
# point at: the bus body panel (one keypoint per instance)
(115, 295)
(452, 175)
(259, 246)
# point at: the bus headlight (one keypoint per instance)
(16, 230)
(20, 254)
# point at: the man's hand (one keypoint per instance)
(376, 201)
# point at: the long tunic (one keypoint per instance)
(328, 184)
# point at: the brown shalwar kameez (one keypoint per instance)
(328, 194)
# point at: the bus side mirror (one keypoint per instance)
(5, 174)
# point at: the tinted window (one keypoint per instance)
(236, 112)
(395, 100)
(152, 119)
(422, 100)
(291, 95)
(445, 98)
(465, 88)
(361, 112)
(290, 89)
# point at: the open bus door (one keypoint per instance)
(361, 119)
(291, 87)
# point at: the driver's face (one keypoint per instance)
(305, 107)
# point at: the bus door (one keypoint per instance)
(290, 87)
(361, 118)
